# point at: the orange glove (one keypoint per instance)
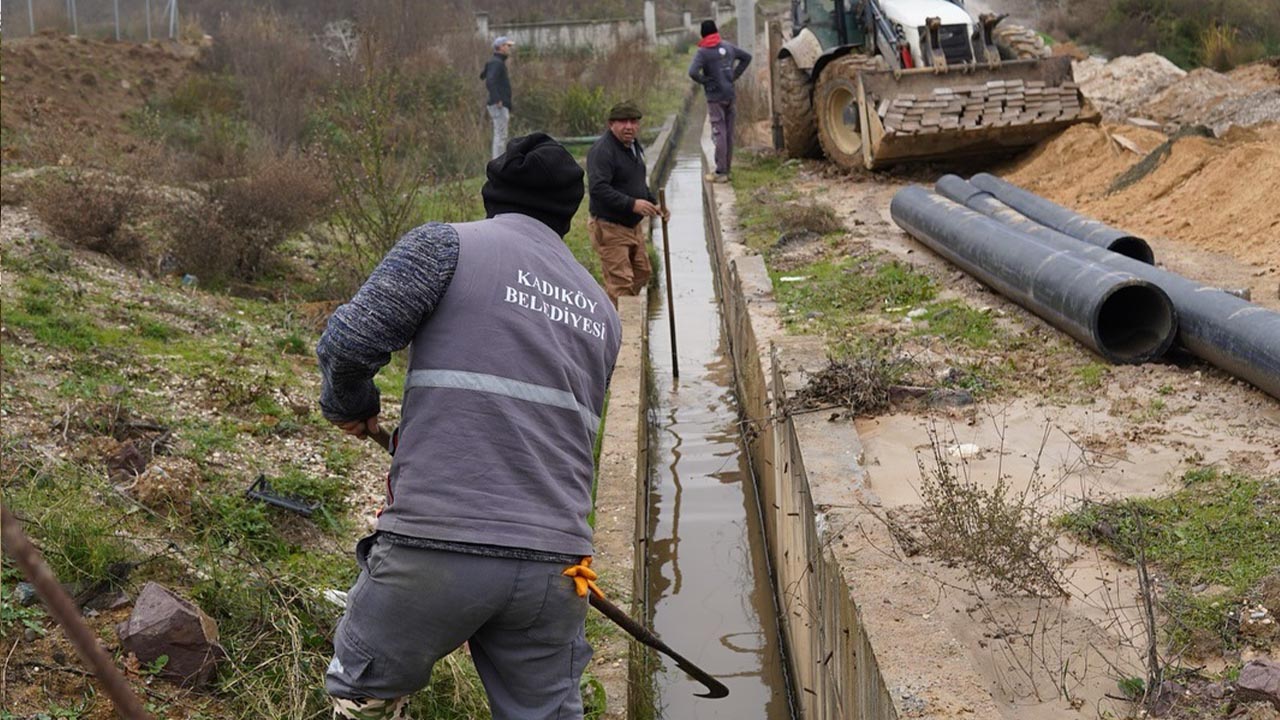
(584, 578)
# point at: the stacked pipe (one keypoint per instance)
(1110, 296)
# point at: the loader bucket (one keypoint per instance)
(973, 110)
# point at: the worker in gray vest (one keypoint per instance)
(512, 344)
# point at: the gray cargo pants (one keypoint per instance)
(411, 606)
(722, 115)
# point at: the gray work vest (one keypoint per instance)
(502, 402)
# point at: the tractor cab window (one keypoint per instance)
(820, 17)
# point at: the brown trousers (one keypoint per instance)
(624, 258)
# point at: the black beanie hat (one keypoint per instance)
(537, 177)
(709, 27)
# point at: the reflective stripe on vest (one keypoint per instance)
(498, 385)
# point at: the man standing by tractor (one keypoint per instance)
(620, 201)
(512, 344)
(716, 66)
(498, 83)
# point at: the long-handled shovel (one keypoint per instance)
(666, 265)
(715, 688)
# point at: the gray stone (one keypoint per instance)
(25, 594)
(1167, 698)
(163, 623)
(1259, 681)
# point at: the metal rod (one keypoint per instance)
(1117, 314)
(28, 559)
(31, 18)
(715, 688)
(147, 5)
(666, 264)
(115, 4)
(1065, 221)
(1218, 327)
(75, 19)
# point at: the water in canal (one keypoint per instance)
(709, 592)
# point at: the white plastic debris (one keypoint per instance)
(964, 451)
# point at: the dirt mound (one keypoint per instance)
(55, 85)
(1218, 195)
(1257, 76)
(1120, 87)
(1152, 87)
(1186, 99)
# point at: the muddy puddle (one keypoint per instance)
(709, 593)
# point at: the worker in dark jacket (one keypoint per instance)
(619, 201)
(716, 66)
(511, 346)
(498, 83)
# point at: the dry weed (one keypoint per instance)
(997, 533)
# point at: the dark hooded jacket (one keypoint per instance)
(716, 69)
(497, 81)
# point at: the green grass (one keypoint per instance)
(763, 185)
(954, 321)
(1217, 530)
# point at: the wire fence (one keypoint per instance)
(132, 20)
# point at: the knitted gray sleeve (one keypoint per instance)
(383, 317)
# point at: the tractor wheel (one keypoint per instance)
(799, 134)
(835, 103)
(1019, 43)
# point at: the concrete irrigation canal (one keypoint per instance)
(709, 586)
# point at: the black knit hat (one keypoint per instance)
(537, 177)
(709, 27)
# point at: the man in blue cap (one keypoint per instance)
(498, 83)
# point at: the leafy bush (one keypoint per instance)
(1188, 32)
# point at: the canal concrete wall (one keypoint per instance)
(852, 653)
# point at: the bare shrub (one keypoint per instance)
(998, 534)
(279, 70)
(373, 156)
(94, 198)
(816, 217)
(91, 209)
(233, 228)
(627, 70)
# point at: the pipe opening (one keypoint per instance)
(1136, 323)
(1134, 247)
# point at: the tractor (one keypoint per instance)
(877, 82)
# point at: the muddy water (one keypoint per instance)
(709, 592)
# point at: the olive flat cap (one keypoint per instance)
(625, 110)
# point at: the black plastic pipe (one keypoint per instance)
(1118, 315)
(1227, 331)
(1065, 221)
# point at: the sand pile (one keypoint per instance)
(1120, 87)
(1220, 195)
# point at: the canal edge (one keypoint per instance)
(834, 576)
